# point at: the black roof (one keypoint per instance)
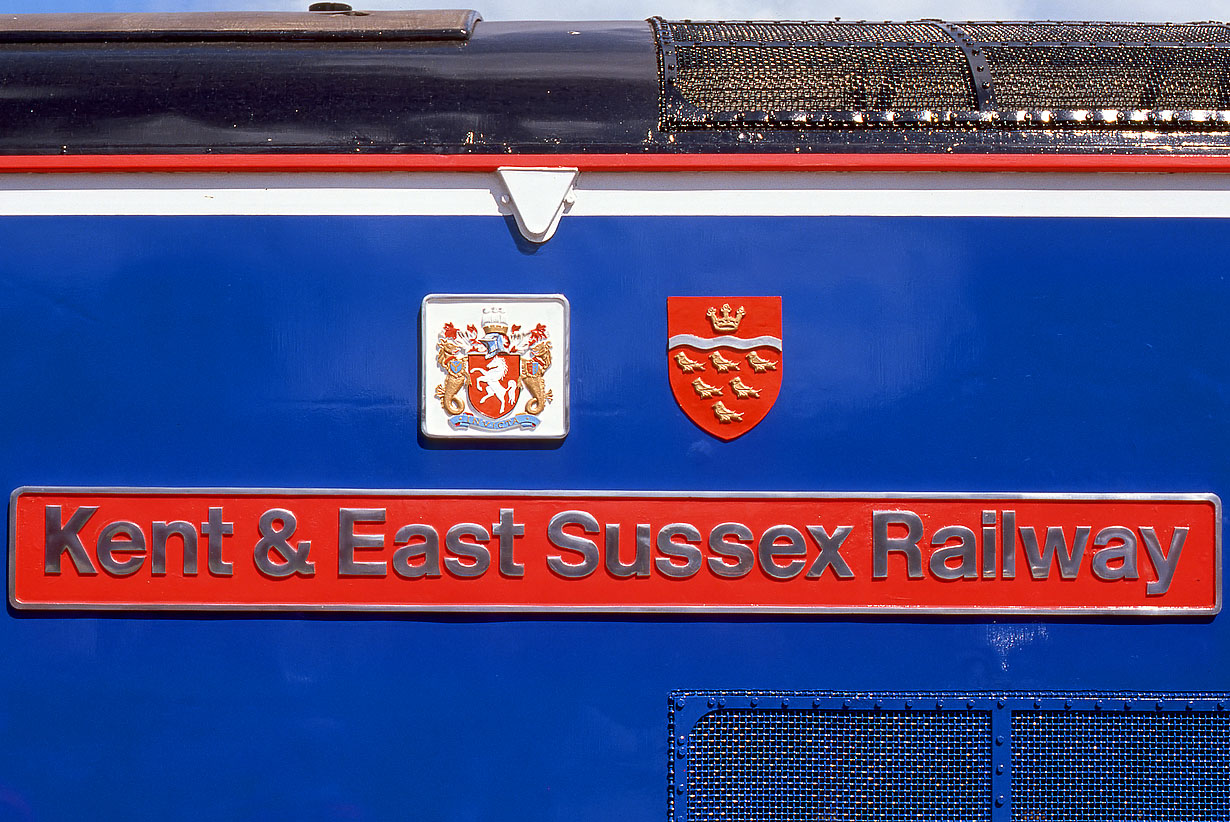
(446, 82)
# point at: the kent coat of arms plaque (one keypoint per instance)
(495, 366)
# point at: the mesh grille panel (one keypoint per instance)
(799, 75)
(1086, 767)
(808, 32)
(1119, 78)
(769, 79)
(836, 766)
(1095, 33)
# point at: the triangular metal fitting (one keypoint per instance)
(538, 198)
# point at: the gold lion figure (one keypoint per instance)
(533, 371)
(448, 357)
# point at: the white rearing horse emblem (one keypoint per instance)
(490, 380)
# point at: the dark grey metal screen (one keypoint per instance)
(747, 756)
(934, 74)
(840, 766)
(1083, 767)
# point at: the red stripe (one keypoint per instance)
(610, 162)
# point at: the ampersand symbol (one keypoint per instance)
(274, 540)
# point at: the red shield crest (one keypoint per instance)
(725, 360)
(494, 383)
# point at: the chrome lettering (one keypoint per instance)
(587, 548)
(428, 548)
(685, 551)
(1163, 564)
(348, 541)
(66, 536)
(882, 543)
(964, 550)
(508, 530)
(768, 551)
(1116, 543)
(467, 550)
(724, 548)
(1056, 548)
(830, 551)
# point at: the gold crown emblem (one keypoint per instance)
(724, 321)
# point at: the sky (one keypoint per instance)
(1145, 10)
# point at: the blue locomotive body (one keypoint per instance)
(947, 332)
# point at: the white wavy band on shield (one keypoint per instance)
(741, 343)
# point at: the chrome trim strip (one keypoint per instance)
(893, 610)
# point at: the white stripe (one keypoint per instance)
(741, 343)
(815, 194)
(907, 194)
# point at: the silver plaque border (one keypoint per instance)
(427, 339)
(864, 610)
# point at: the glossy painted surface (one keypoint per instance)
(582, 87)
(511, 86)
(925, 355)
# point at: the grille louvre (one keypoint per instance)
(787, 756)
(834, 32)
(998, 75)
(1118, 78)
(1070, 33)
(1091, 767)
(841, 767)
(774, 79)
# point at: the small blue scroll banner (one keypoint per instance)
(526, 422)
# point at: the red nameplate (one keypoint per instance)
(596, 551)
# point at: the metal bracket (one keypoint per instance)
(976, 56)
(538, 198)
